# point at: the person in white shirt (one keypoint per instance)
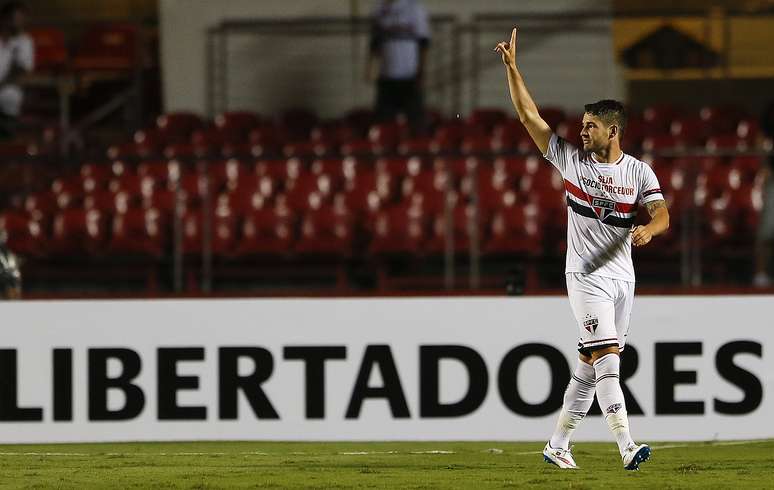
(400, 35)
(17, 57)
(604, 186)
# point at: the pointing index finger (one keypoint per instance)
(513, 36)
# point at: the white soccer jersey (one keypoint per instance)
(602, 200)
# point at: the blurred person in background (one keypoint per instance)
(17, 57)
(10, 275)
(765, 239)
(400, 35)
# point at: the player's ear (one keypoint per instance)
(612, 131)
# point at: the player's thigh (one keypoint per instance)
(623, 311)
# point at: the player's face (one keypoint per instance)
(594, 133)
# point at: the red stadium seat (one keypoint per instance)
(748, 166)
(510, 129)
(333, 135)
(68, 192)
(748, 201)
(512, 166)
(335, 168)
(721, 119)
(691, 130)
(177, 127)
(545, 177)
(462, 216)
(133, 150)
(268, 136)
(26, 236)
(227, 174)
(398, 167)
(324, 232)
(361, 147)
(50, 48)
(280, 170)
(138, 232)
(398, 231)
(552, 115)
(108, 47)
(726, 142)
(100, 172)
(748, 129)
(249, 196)
(661, 142)
(134, 185)
(238, 121)
(163, 172)
(513, 231)
(299, 189)
(635, 131)
(76, 232)
(385, 136)
(659, 117)
(487, 118)
(306, 149)
(492, 183)
(223, 232)
(368, 191)
(432, 185)
(41, 205)
(264, 233)
(479, 145)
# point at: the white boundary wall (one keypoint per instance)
(708, 349)
(566, 68)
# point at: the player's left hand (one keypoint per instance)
(641, 235)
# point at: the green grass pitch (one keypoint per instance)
(378, 465)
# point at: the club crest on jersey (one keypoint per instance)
(603, 207)
(591, 323)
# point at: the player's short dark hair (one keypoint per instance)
(610, 111)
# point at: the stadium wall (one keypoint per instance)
(565, 66)
(695, 368)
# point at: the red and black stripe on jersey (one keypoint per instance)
(586, 211)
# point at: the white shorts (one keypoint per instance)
(602, 307)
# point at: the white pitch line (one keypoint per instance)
(362, 453)
(44, 454)
(713, 443)
(739, 443)
(347, 453)
(432, 452)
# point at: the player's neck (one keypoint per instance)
(610, 155)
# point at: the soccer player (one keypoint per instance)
(603, 187)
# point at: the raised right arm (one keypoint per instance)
(525, 107)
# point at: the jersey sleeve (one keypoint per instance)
(650, 190)
(560, 152)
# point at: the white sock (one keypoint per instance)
(611, 399)
(578, 398)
